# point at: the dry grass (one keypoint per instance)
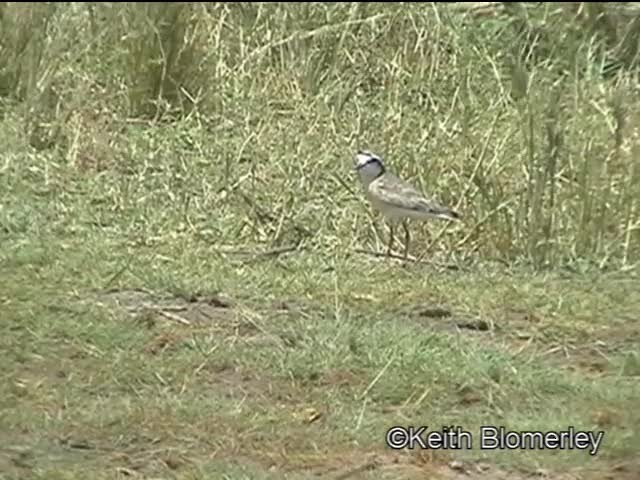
(531, 142)
(166, 154)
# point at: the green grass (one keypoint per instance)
(184, 280)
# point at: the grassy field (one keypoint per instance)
(189, 275)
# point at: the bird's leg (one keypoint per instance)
(390, 239)
(407, 238)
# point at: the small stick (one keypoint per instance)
(378, 376)
(370, 465)
(385, 254)
(173, 316)
(267, 253)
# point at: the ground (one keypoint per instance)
(191, 284)
(301, 364)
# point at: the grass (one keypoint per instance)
(182, 276)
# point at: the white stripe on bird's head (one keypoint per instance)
(368, 165)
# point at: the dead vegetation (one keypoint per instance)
(191, 281)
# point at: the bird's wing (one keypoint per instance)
(400, 194)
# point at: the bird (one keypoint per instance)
(396, 199)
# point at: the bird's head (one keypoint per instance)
(368, 165)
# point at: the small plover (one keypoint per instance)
(396, 199)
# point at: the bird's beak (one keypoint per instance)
(356, 163)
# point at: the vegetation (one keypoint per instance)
(188, 275)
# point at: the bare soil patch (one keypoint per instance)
(149, 307)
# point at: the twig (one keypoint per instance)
(478, 8)
(267, 253)
(166, 308)
(265, 216)
(117, 274)
(388, 255)
(361, 416)
(378, 377)
(160, 379)
(126, 471)
(369, 465)
(173, 316)
(305, 35)
(409, 258)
